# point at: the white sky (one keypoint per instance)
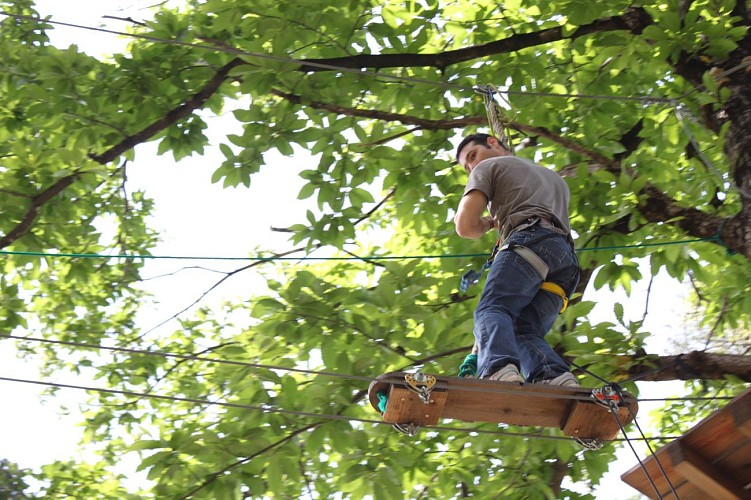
(200, 218)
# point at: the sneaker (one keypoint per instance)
(509, 373)
(566, 379)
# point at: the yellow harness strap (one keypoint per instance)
(551, 287)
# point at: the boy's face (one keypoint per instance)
(474, 153)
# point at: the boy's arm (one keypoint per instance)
(469, 220)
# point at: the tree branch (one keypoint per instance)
(212, 477)
(429, 124)
(184, 110)
(694, 365)
(37, 202)
(634, 19)
(173, 116)
(226, 276)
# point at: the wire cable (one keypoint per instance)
(313, 64)
(654, 455)
(74, 255)
(187, 357)
(362, 378)
(614, 410)
(271, 409)
(440, 385)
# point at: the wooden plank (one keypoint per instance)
(638, 479)
(704, 476)
(719, 431)
(406, 407)
(504, 402)
(473, 400)
(595, 421)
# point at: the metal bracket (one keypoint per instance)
(409, 429)
(420, 384)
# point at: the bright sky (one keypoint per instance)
(200, 218)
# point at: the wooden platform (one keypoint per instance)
(712, 460)
(570, 409)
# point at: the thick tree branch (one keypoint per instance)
(173, 116)
(656, 206)
(196, 101)
(635, 19)
(695, 365)
(733, 232)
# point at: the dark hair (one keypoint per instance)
(481, 139)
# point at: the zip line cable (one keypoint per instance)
(270, 409)
(362, 378)
(260, 55)
(187, 357)
(311, 258)
(440, 385)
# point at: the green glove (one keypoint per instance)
(469, 367)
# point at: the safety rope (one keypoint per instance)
(308, 258)
(497, 120)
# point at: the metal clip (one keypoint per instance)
(468, 279)
(420, 384)
(409, 429)
(609, 396)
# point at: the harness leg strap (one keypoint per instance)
(555, 288)
(531, 257)
(542, 269)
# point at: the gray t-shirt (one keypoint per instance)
(517, 190)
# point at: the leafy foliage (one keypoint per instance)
(12, 483)
(616, 98)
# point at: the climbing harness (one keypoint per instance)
(471, 277)
(498, 123)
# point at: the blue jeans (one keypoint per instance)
(514, 314)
